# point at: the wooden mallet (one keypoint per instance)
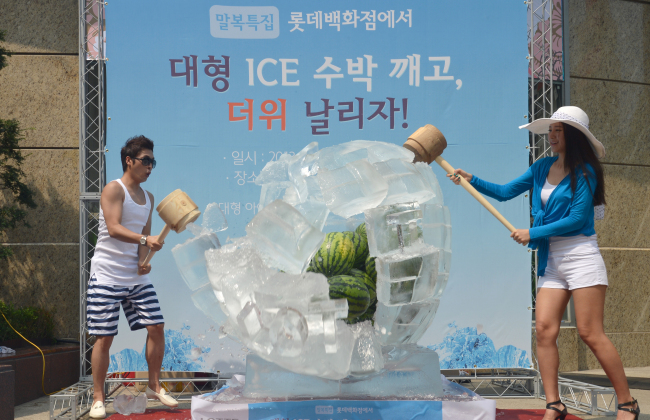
(176, 210)
(428, 143)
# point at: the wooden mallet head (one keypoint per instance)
(427, 143)
(177, 210)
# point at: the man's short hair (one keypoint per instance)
(133, 147)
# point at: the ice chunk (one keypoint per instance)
(335, 157)
(366, 357)
(393, 228)
(288, 332)
(275, 191)
(284, 290)
(205, 299)
(407, 277)
(405, 323)
(303, 165)
(413, 374)
(314, 360)
(128, 404)
(432, 180)
(275, 171)
(249, 321)
(445, 262)
(441, 284)
(296, 289)
(410, 372)
(236, 270)
(315, 212)
(214, 219)
(190, 259)
(405, 182)
(321, 319)
(284, 237)
(436, 226)
(353, 188)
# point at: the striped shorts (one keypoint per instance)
(139, 302)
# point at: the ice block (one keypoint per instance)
(393, 228)
(190, 259)
(353, 188)
(284, 237)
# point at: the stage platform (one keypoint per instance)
(185, 414)
(455, 402)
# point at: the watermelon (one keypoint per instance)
(360, 249)
(370, 268)
(361, 230)
(369, 315)
(354, 290)
(371, 284)
(335, 256)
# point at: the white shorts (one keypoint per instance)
(574, 262)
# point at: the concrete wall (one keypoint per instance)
(609, 66)
(39, 87)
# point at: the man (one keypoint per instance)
(117, 273)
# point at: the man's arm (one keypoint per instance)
(143, 251)
(112, 200)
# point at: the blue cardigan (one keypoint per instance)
(565, 214)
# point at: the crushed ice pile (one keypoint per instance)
(127, 404)
(259, 291)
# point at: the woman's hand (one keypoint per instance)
(144, 269)
(455, 177)
(521, 236)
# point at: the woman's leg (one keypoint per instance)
(589, 307)
(549, 308)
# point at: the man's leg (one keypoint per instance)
(154, 353)
(100, 361)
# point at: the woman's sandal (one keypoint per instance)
(562, 414)
(636, 411)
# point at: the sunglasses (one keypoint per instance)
(146, 161)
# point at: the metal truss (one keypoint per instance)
(587, 398)
(498, 383)
(182, 389)
(546, 87)
(92, 143)
(72, 402)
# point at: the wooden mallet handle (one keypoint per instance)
(161, 237)
(428, 143)
(477, 195)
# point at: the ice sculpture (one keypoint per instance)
(265, 291)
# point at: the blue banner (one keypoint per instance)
(224, 89)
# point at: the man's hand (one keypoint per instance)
(521, 236)
(153, 243)
(143, 269)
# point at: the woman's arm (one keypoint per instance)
(507, 191)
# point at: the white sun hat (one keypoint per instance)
(573, 116)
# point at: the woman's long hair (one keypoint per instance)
(578, 153)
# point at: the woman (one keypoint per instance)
(565, 190)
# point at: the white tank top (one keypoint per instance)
(115, 262)
(547, 189)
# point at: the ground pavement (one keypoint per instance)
(507, 409)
